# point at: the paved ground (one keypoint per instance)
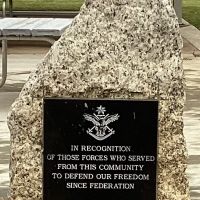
(192, 119)
(23, 59)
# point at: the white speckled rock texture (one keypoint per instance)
(114, 49)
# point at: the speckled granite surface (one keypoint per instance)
(114, 49)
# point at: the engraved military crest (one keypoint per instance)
(101, 130)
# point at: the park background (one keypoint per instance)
(22, 59)
(190, 8)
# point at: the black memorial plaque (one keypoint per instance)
(99, 149)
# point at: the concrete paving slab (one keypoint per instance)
(6, 99)
(192, 34)
(192, 117)
(21, 61)
(26, 59)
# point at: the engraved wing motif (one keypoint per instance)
(110, 119)
(92, 119)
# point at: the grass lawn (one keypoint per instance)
(52, 5)
(191, 12)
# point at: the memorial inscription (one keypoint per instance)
(99, 149)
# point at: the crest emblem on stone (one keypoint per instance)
(101, 130)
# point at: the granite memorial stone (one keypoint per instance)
(114, 49)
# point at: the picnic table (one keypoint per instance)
(40, 29)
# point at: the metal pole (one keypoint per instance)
(4, 51)
(178, 9)
(4, 63)
(11, 8)
(4, 8)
